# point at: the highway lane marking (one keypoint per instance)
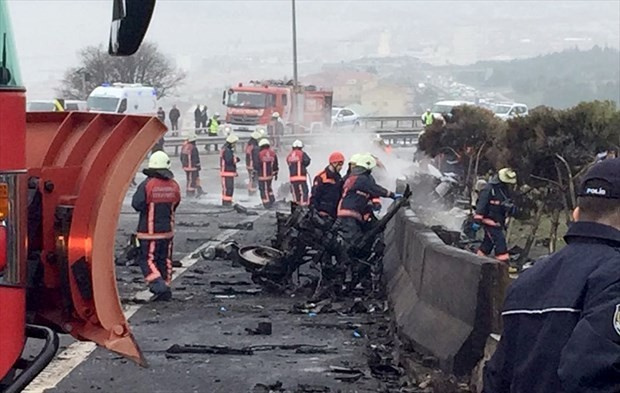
(76, 353)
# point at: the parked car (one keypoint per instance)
(344, 117)
(56, 105)
(508, 111)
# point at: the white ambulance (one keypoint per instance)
(126, 98)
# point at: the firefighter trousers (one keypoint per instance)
(494, 238)
(266, 192)
(252, 182)
(228, 189)
(192, 187)
(155, 260)
(299, 190)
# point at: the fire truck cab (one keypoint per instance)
(250, 107)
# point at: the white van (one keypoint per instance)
(127, 98)
(445, 107)
(508, 111)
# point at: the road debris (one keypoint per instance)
(263, 329)
(246, 226)
(209, 349)
(274, 387)
(233, 291)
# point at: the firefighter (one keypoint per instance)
(298, 162)
(156, 199)
(358, 192)
(251, 161)
(492, 210)
(191, 165)
(213, 128)
(228, 169)
(428, 118)
(352, 162)
(327, 187)
(275, 129)
(562, 316)
(267, 172)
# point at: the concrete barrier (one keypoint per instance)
(446, 301)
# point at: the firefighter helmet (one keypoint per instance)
(507, 175)
(366, 161)
(263, 142)
(232, 138)
(159, 160)
(298, 144)
(336, 157)
(275, 115)
(191, 137)
(256, 135)
(216, 115)
(354, 158)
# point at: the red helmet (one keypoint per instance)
(336, 157)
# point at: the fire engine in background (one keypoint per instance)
(250, 107)
(63, 176)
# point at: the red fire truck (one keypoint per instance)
(250, 107)
(63, 176)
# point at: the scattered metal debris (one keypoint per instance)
(233, 291)
(263, 329)
(274, 387)
(209, 349)
(244, 210)
(193, 224)
(246, 226)
(305, 388)
(230, 283)
(316, 351)
(177, 264)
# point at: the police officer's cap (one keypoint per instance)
(602, 180)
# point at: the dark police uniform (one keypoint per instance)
(562, 316)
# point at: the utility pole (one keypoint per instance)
(295, 81)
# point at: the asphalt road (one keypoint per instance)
(198, 315)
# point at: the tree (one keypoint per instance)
(148, 66)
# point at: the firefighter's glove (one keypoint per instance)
(475, 227)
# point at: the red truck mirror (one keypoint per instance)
(130, 20)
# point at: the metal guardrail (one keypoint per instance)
(397, 131)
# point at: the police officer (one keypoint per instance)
(562, 316)
(161, 115)
(267, 172)
(191, 165)
(156, 199)
(228, 169)
(298, 162)
(493, 208)
(251, 161)
(327, 187)
(213, 128)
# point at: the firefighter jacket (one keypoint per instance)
(228, 162)
(214, 126)
(268, 164)
(156, 199)
(189, 157)
(358, 192)
(298, 162)
(326, 192)
(562, 320)
(494, 204)
(251, 154)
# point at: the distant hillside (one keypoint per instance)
(559, 79)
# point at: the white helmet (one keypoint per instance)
(159, 160)
(366, 161)
(216, 114)
(191, 137)
(275, 115)
(354, 158)
(232, 138)
(298, 144)
(263, 142)
(256, 135)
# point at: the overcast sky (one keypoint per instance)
(50, 32)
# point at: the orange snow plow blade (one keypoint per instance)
(81, 165)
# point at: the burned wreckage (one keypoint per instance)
(305, 237)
